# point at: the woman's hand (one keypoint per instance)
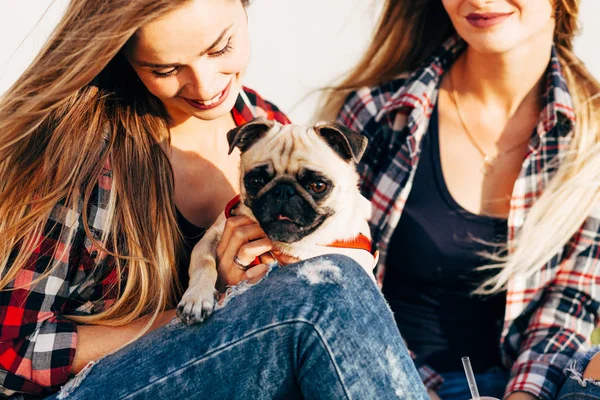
(433, 395)
(244, 238)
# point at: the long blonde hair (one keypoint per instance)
(404, 39)
(77, 106)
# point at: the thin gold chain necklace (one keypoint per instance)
(488, 160)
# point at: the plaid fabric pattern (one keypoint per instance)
(550, 315)
(37, 344)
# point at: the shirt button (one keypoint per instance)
(94, 254)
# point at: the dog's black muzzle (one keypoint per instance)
(285, 214)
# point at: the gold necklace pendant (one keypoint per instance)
(488, 162)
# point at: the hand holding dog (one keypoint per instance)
(244, 238)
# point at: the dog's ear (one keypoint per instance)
(348, 144)
(246, 135)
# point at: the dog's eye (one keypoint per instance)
(257, 182)
(318, 186)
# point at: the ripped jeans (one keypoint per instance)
(575, 387)
(318, 329)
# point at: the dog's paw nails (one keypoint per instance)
(182, 315)
(196, 307)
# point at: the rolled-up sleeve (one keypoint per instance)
(562, 324)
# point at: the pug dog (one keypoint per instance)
(300, 184)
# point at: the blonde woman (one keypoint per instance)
(484, 136)
(113, 159)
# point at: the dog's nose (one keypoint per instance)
(284, 191)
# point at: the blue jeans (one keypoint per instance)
(491, 383)
(318, 329)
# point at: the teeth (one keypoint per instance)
(211, 101)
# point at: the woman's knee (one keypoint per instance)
(330, 276)
(315, 290)
(313, 284)
(333, 281)
(592, 371)
(335, 269)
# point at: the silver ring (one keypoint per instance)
(238, 264)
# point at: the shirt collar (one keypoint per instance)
(243, 110)
(419, 93)
(558, 104)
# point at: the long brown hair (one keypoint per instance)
(407, 34)
(78, 106)
(403, 39)
(574, 191)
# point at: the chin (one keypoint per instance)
(495, 41)
(491, 44)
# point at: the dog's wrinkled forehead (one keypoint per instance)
(289, 149)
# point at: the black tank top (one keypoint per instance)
(191, 235)
(431, 262)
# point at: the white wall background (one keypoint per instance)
(298, 46)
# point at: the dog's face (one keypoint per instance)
(295, 177)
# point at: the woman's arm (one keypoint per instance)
(563, 322)
(96, 341)
(550, 342)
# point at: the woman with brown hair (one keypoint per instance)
(484, 133)
(113, 159)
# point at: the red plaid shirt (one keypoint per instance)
(550, 315)
(37, 344)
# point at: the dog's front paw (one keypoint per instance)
(197, 304)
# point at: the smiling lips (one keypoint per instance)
(485, 20)
(212, 103)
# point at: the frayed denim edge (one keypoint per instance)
(233, 291)
(67, 389)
